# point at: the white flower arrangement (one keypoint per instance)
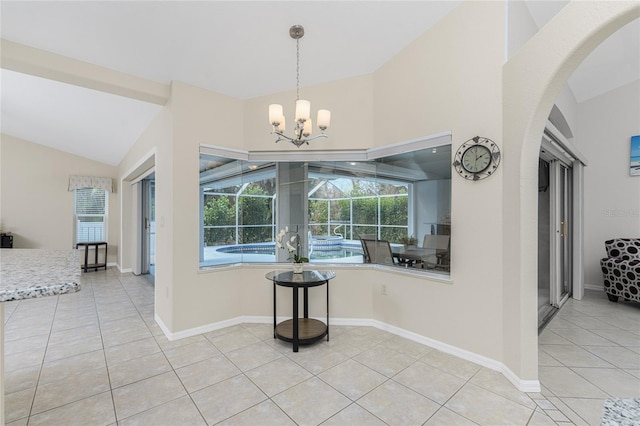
(284, 243)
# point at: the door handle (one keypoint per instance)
(563, 226)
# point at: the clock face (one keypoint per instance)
(477, 158)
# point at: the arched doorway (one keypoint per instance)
(554, 53)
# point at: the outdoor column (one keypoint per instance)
(292, 205)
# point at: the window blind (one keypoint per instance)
(90, 211)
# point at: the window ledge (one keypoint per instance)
(414, 273)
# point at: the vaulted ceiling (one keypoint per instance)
(223, 46)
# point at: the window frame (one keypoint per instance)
(380, 153)
(76, 215)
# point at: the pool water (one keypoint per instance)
(333, 251)
(266, 250)
(334, 254)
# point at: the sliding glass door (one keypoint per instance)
(148, 227)
(555, 210)
(545, 308)
(563, 267)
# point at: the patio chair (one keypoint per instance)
(439, 258)
(378, 251)
(365, 253)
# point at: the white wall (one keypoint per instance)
(198, 117)
(154, 147)
(521, 28)
(451, 78)
(154, 142)
(36, 204)
(466, 101)
(431, 212)
(554, 53)
(399, 91)
(425, 88)
(612, 196)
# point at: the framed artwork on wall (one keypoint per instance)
(635, 156)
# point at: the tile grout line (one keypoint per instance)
(104, 354)
(586, 348)
(118, 420)
(560, 405)
(47, 348)
(44, 356)
(173, 369)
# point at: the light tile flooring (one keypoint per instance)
(98, 358)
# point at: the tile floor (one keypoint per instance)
(98, 358)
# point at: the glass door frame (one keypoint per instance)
(555, 147)
(561, 232)
(148, 226)
(565, 223)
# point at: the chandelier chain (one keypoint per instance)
(297, 69)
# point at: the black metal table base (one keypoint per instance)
(305, 330)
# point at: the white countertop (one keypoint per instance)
(30, 273)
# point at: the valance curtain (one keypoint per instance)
(77, 182)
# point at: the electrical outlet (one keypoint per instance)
(383, 290)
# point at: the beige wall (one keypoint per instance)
(447, 79)
(154, 147)
(36, 205)
(423, 90)
(199, 117)
(184, 298)
(554, 53)
(400, 87)
(612, 196)
(521, 28)
(450, 79)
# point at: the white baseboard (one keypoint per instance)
(492, 364)
(522, 385)
(162, 326)
(596, 287)
(121, 270)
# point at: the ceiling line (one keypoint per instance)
(28, 60)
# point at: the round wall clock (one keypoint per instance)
(477, 158)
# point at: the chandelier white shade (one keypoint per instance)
(302, 118)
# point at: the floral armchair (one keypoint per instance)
(621, 269)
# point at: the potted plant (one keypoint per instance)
(293, 246)
(409, 242)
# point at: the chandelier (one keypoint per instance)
(303, 122)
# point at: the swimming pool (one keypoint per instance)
(323, 249)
